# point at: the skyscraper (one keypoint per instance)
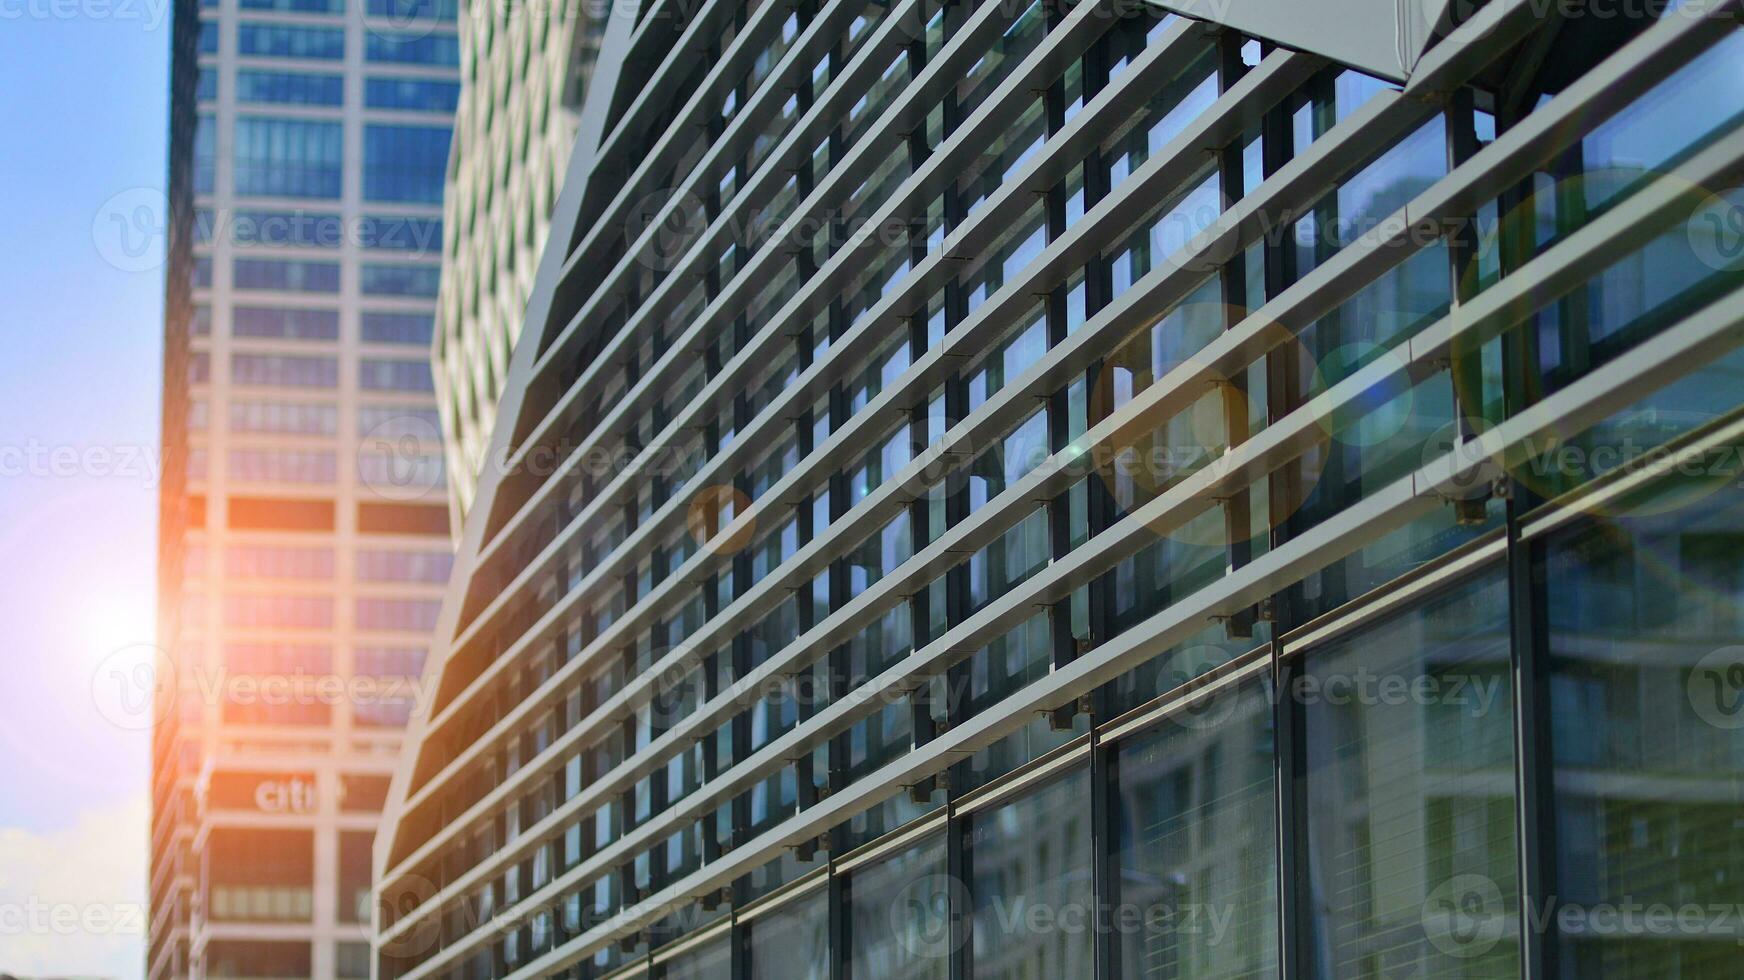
(304, 536)
(527, 72)
(1104, 490)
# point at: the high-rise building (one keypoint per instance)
(525, 70)
(1080, 491)
(305, 540)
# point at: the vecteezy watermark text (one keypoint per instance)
(37, 917)
(41, 460)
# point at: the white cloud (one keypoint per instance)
(73, 901)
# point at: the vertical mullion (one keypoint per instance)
(956, 578)
(1232, 284)
(1529, 632)
(739, 949)
(956, 396)
(1104, 870)
(1283, 395)
(1466, 369)
(1534, 752)
(741, 642)
(1099, 504)
(1059, 508)
(804, 770)
(837, 900)
(921, 725)
(1296, 956)
(958, 869)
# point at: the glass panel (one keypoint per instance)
(1196, 824)
(1030, 868)
(899, 917)
(710, 961)
(1411, 834)
(793, 943)
(1647, 698)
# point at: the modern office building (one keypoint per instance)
(1092, 491)
(524, 70)
(304, 540)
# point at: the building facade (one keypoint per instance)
(1068, 491)
(524, 73)
(304, 540)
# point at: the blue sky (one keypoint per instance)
(84, 119)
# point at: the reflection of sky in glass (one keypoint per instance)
(1656, 130)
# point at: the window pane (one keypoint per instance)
(1196, 821)
(288, 275)
(794, 942)
(287, 417)
(284, 324)
(257, 958)
(405, 163)
(1648, 725)
(404, 10)
(354, 875)
(296, 6)
(899, 916)
(260, 875)
(1030, 862)
(1409, 731)
(290, 41)
(415, 94)
(286, 370)
(711, 961)
(289, 157)
(413, 49)
(398, 614)
(396, 328)
(400, 280)
(289, 88)
(205, 156)
(380, 375)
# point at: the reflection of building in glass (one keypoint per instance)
(304, 539)
(1038, 491)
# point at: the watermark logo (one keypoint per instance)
(138, 686)
(1459, 439)
(134, 687)
(400, 458)
(1207, 712)
(672, 224)
(1469, 915)
(37, 917)
(1716, 688)
(920, 915)
(397, 900)
(38, 460)
(1475, 694)
(1716, 233)
(131, 229)
(679, 686)
(401, 20)
(149, 14)
(1465, 916)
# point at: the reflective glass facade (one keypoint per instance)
(1044, 490)
(526, 71)
(304, 540)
